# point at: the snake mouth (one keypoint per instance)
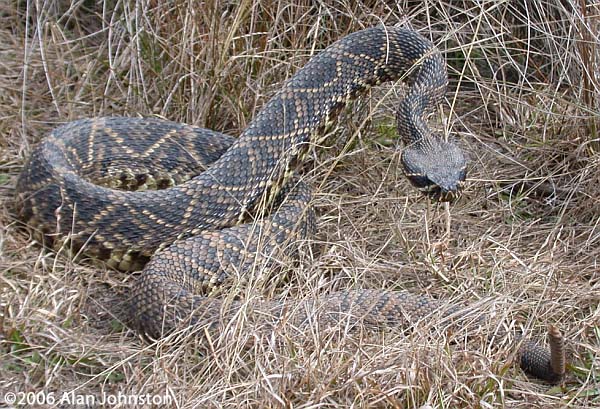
(442, 195)
(433, 190)
(439, 194)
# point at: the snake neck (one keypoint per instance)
(428, 86)
(412, 128)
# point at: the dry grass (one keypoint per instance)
(524, 240)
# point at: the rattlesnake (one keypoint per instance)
(210, 215)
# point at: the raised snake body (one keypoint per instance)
(72, 186)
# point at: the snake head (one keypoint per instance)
(435, 167)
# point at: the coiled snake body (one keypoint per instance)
(74, 185)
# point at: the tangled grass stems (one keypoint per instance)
(523, 102)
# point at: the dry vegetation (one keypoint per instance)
(524, 240)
